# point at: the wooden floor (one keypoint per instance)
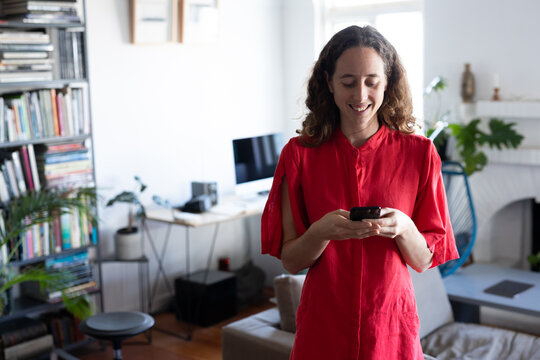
(204, 345)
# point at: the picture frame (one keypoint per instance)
(153, 21)
(199, 21)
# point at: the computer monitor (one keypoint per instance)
(255, 160)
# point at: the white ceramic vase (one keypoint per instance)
(128, 244)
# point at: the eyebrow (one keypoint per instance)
(344, 76)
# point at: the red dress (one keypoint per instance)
(358, 300)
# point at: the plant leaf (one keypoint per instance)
(503, 135)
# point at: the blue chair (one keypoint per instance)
(462, 215)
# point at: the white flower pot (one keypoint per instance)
(128, 244)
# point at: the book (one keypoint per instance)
(24, 55)
(30, 349)
(17, 164)
(20, 330)
(33, 167)
(12, 180)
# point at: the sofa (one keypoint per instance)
(269, 335)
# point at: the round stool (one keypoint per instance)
(116, 326)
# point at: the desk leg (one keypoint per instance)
(159, 259)
(466, 313)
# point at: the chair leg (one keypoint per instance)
(117, 350)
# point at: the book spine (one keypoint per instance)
(30, 349)
(33, 167)
(27, 167)
(17, 165)
(55, 119)
(65, 221)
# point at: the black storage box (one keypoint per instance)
(206, 302)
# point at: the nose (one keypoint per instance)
(362, 92)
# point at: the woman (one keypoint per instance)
(357, 148)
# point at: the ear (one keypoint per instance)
(330, 88)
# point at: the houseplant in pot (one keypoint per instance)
(468, 139)
(22, 214)
(128, 243)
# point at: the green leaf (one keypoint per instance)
(503, 135)
(79, 306)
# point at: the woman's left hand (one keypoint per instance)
(392, 223)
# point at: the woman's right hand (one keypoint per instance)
(336, 225)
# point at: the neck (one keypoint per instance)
(358, 134)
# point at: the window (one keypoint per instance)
(400, 21)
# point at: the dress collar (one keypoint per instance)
(372, 143)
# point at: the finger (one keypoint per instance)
(342, 212)
(386, 211)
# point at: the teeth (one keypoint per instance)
(360, 108)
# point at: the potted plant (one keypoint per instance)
(26, 211)
(128, 244)
(469, 138)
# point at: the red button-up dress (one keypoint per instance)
(358, 300)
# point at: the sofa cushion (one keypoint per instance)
(257, 337)
(432, 302)
(288, 289)
(472, 341)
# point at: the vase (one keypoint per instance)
(128, 244)
(467, 85)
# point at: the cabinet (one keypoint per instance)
(46, 137)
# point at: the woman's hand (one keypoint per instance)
(411, 243)
(336, 225)
(392, 223)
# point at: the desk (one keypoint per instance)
(466, 286)
(229, 209)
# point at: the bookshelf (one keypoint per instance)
(46, 137)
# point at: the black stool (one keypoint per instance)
(116, 326)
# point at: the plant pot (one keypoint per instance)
(128, 244)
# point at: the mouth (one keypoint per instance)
(360, 108)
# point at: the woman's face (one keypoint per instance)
(358, 85)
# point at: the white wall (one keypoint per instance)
(168, 113)
(494, 37)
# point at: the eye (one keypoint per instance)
(371, 83)
(349, 84)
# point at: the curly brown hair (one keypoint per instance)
(323, 114)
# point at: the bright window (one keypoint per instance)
(401, 22)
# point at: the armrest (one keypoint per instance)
(257, 337)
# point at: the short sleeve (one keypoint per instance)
(271, 223)
(431, 214)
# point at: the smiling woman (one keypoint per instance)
(357, 148)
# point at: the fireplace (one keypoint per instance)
(506, 193)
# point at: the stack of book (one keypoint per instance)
(63, 327)
(80, 282)
(25, 56)
(65, 165)
(41, 12)
(44, 113)
(24, 338)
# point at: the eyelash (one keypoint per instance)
(354, 84)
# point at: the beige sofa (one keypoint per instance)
(269, 335)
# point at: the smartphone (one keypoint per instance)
(365, 212)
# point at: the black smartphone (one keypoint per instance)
(365, 212)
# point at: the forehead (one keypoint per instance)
(360, 61)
